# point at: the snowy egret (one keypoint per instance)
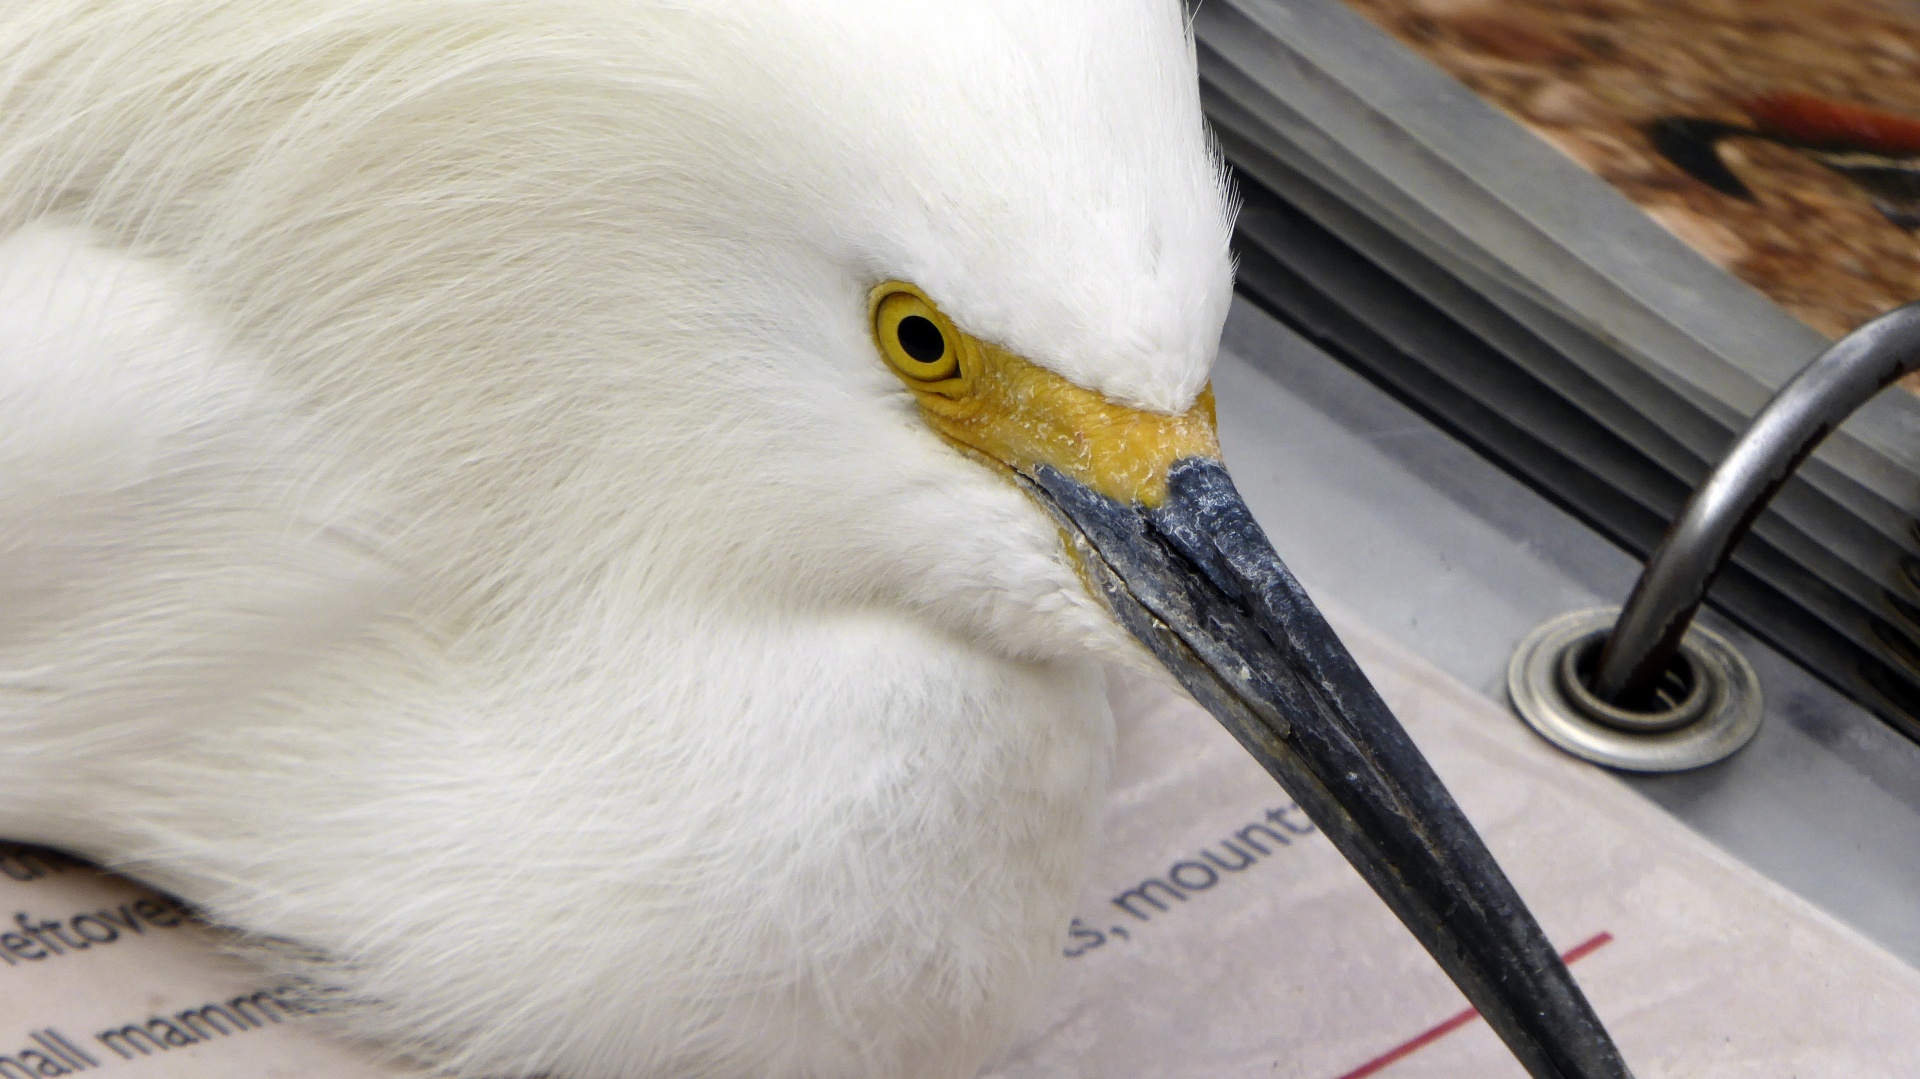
(591, 530)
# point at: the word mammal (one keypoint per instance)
(207, 1022)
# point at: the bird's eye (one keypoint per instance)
(915, 338)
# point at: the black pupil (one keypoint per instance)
(921, 338)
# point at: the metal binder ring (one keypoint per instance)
(1710, 707)
(1657, 620)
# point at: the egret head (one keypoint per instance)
(1047, 225)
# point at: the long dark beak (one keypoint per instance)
(1197, 582)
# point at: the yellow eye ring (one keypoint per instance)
(916, 339)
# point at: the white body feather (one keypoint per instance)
(455, 519)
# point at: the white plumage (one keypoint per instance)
(456, 521)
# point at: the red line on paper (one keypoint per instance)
(1428, 1037)
(1587, 948)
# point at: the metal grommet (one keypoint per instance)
(1684, 693)
(1713, 701)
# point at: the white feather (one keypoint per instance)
(457, 523)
